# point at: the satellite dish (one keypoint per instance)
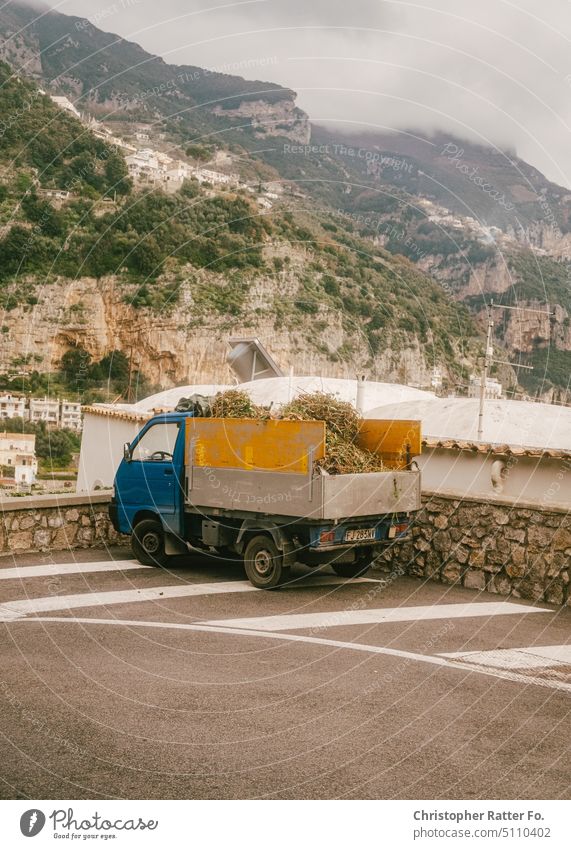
(249, 360)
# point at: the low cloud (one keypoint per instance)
(493, 72)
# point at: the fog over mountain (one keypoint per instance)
(495, 72)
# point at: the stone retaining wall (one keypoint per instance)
(503, 548)
(55, 523)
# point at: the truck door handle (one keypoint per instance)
(169, 472)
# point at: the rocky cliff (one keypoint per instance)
(187, 342)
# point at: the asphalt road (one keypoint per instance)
(120, 681)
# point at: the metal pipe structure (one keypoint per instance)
(484, 379)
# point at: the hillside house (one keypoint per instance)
(12, 406)
(493, 387)
(18, 452)
(44, 410)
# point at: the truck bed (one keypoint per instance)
(318, 496)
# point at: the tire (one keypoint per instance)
(148, 543)
(263, 562)
(353, 570)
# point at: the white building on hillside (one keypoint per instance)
(18, 452)
(65, 414)
(44, 410)
(70, 417)
(179, 170)
(12, 406)
(175, 176)
(493, 387)
(144, 165)
(166, 161)
(205, 175)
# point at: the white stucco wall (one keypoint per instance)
(541, 480)
(102, 449)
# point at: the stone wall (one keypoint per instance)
(55, 523)
(500, 547)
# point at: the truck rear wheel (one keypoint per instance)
(353, 570)
(148, 543)
(263, 562)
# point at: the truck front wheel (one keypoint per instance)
(148, 543)
(263, 562)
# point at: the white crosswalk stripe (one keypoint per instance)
(296, 621)
(47, 570)
(24, 607)
(530, 657)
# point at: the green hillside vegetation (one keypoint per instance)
(79, 378)
(541, 279)
(157, 242)
(551, 367)
(52, 145)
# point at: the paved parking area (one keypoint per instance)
(125, 681)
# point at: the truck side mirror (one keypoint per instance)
(127, 452)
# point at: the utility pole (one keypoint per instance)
(129, 386)
(484, 378)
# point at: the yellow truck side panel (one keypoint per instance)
(392, 439)
(277, 446)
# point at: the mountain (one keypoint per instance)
(90, 268)
(494, 186)
(112, 77)
(482, 222)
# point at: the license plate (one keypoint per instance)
(359, 534)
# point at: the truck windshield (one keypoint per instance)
(158, 443)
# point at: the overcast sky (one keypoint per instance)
(492, 70)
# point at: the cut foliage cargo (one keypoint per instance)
(343, 453)
(259, 489)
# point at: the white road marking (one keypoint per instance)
(47, 570)
(377, 616)
(531, 657)
(24, 607)
(441, 661)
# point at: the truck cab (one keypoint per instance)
(149, 483)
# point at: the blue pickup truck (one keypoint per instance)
(255, 489)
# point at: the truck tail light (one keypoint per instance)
(326, 537)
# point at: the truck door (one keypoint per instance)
(154, 471)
